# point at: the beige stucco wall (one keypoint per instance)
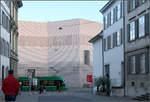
(60, 51)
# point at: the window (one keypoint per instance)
(119, 37)
(105, 44)
(109, 42)
(141, 26)
(118, 12)
(133, 64)
(5, 22)
(133, 4)
(142, 63)
(132, 31)
(115, 39)
(104, 20)
(107, 20)
(112, 17)
(87, 57)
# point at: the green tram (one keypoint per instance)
(49, 83)
(24, 83)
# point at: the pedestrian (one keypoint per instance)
(41, 89)
(108, 85)
(58, 86)
(10, 87)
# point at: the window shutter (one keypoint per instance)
(137, 63)
(104, 44)
(129, 65)
(136, 28)
(128, 32)
(114, 15)
(147, 61)
(121, 35)
(137, 3)
(121, 9)
(147, 24)
(104, 22)
(114, 39)
(128, 7)
(110, 19)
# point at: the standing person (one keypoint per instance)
(10, 87)
(58, 86)
(108, 85)
(41, 89)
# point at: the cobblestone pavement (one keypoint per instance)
(69, 96)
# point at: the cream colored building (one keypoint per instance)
(57, 48)
(14, 5)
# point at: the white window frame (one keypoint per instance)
(142, 63)
(132, 31)
(141, 26)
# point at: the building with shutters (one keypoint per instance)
(113, 45)
(137, 47)
(8, 13)
(4, 38)
(14, 5)
(57, 48)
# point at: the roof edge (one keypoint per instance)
(95, 38)
(107, 6)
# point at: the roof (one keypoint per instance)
(107, 6)
(46, 78)
(95, 38)
(23, 78)
(19, 2)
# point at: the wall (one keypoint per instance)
(115, 56)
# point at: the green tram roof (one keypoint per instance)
(47, 78)
(23, 78)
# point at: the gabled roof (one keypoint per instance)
(107, 6)
(95, 38)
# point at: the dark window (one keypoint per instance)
(114, 15)
(114, 39)
(87, 57)
(104, 44)
(107, 20)
(107, 69)
(3, 76)
(147, 24)
(109, 42)
(104, 20)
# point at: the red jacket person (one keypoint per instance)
(10, 87)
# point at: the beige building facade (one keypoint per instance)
(57, 48)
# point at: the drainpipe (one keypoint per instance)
(124, 44)
(103, 54)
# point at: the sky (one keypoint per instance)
(45, 11)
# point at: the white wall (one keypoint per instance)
(97, 57)
(115, 56)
